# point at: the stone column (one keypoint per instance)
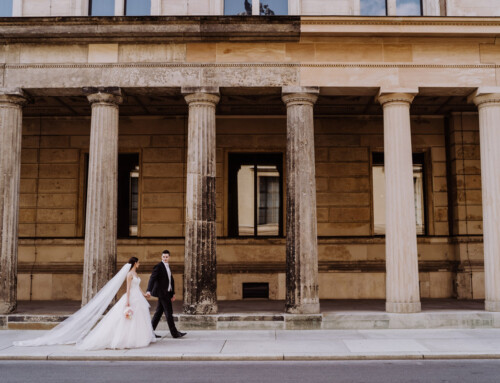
(200, 274)
(102, 184)
(302, 293)
(11, 119)
(402, 288)
(488, 102)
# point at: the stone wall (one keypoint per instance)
(351, 260)
(467, 215)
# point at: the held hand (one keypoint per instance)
(148, 294)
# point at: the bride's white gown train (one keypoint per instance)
(116, 332)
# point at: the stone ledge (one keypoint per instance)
(148, 29)
(457, 319)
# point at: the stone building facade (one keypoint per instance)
(369, 146)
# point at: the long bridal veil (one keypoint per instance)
(74, 328)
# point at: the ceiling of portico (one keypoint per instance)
(239, 101)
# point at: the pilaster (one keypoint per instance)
(302, 291)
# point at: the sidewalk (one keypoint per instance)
(281, 345)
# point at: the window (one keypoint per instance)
(409, 7)
(133, 201)
(5, 8)
(137, 7)
(265, 7)
(378, 176)
(101, 7)
(238, 7)
(373, 8)
(255, 194)
(128, 194)
(254, 290)
(273, 7)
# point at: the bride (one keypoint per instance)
(126, 325)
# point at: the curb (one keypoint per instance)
(270, 357)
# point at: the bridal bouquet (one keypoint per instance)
(128, 313)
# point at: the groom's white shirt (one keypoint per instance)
(169, 276)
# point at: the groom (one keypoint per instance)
(161, 285)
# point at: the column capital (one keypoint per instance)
(485, 95)
(104, 95)
(292, 95)
(201, 95)
(13, 96)
(396, 95)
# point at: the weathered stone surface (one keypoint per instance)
(11, 103)
(402, 283)
(100, 229)
(200, 286)
(489, 120)
(302, 292)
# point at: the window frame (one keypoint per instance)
(418, 158)
(235, 161)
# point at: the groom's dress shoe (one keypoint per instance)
(179, 334)
(157, 336)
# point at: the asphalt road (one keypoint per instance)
(470, 371)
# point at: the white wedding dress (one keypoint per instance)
(114, 330)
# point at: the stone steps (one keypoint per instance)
(465, 319)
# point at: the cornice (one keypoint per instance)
(418, 20)
(247, 65)
(148, 29)
(400, 26)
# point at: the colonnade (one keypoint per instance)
(302, 293)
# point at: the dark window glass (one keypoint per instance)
(255, 194)
(373, 7)
(256, 290)
(379, 200)
(102, 7)
(128, 194)
(133, 201)
(409, 7)
(138, 7)
(5, 8)
(238, 7)
(273, 7)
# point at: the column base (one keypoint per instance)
(306, 308)
(402, 308)
(7, 308)
(493, 306)
(201, 309)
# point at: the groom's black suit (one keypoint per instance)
(158, 286)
